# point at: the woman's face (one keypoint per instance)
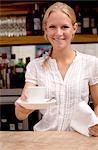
(59, 29)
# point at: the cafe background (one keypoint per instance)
(21, 40)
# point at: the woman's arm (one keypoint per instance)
(94, 95)
(21, 112)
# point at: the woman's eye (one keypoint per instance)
(52, 27)
(65, 27)
(62, 27)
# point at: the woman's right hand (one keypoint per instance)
(21, 112)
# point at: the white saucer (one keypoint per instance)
(36, 104)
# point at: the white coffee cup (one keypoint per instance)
(36, 93)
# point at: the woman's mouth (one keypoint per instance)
(59, 39)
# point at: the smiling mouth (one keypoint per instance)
(58, 39)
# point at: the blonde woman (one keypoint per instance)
(67, 74)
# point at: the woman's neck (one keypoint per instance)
(63, 55)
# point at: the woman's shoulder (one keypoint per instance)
(36, 61)
(88, 57)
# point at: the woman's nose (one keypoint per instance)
(59, 31)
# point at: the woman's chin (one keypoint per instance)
(60, 46)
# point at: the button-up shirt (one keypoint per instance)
(68, 92)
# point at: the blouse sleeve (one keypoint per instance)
(94, 71)
(31, 74)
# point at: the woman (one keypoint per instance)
(67, 74)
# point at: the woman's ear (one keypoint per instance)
(45, 33)
(75, 27)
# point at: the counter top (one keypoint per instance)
(52, 140)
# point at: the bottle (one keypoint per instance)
(78, 18)
(42, 16)
(11, 117)
(29, 23)
(12, 71)
(4, 124)
(86, 21)
(93, 21)
(96, 18)
(27, 60)
(5, 62)
(8, 71)
(11, 126)
(1, 77)
(1, 80)
(20, 73)
(36, 21)
(4, 117)
(20, 125)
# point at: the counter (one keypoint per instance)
(52, 140)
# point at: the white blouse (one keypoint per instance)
(82, 72)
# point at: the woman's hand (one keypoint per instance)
(93, 130)
(21, 112)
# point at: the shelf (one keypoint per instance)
(18, 8)
(86, 38)
(33, 40)
(22, 40)
(9, 96)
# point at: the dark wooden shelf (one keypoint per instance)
(86, 38)
(31, 40)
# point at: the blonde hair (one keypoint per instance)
(63, 8)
